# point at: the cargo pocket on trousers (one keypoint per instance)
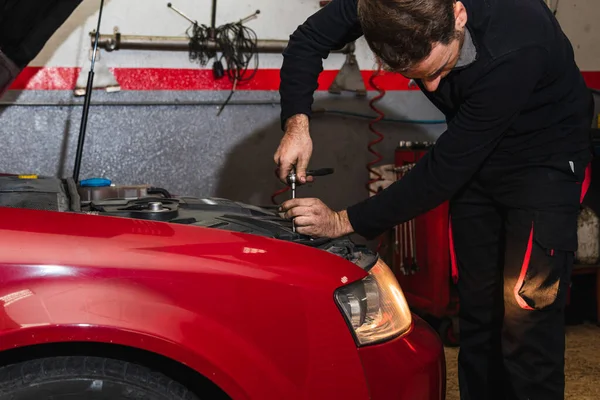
(548, 257)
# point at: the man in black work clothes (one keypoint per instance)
(511, 162)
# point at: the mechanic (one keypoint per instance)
(511, 163)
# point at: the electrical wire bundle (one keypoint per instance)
(199, 39)
(239, 45)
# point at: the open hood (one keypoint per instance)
(25, 28)
(148, 203)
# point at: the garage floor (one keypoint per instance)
(582, 365)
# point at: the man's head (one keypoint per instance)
(421, 39)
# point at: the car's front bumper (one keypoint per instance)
(408, 368)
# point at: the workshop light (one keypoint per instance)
(375, 307)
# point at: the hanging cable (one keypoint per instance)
(199, 37)
(239, 45)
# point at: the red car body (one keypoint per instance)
(255, 316)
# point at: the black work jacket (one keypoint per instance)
(522, 101)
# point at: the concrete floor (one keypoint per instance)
(582, 365)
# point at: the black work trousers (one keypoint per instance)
(515, 236)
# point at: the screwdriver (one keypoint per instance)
(293, 179)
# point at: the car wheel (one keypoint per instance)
(86, 378)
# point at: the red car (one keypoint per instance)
(115, 292)
(164, 297)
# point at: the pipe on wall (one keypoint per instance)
(117, 41)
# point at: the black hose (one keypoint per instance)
(156, 190)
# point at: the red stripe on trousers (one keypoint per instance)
(452, 254)
(587, 181)
(522, 303)
(584, 189)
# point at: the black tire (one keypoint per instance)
(86, 378)
(448, 333)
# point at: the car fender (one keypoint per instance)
(51, 311)
(255, 311)
(37, 316)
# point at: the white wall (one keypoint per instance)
(580, 20)
(70, 45)
(188, 149)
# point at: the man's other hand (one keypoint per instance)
(295, 149)
(314, 218)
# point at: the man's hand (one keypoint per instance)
(295, 149)
(313, 218)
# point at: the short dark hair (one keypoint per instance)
(401, 32)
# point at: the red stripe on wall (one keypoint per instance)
(39, 78)
(64, 78)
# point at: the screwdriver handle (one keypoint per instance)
(320, 172)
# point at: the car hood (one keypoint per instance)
(148, 223)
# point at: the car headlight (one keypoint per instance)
(375, 307)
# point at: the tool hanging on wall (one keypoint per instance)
(238, 46)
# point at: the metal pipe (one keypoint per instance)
(213, 19)
(118, 41)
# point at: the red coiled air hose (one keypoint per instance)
(378, 157)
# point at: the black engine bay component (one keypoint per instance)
(34, 193)
(144, 202)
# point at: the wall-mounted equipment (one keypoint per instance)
(103, 79)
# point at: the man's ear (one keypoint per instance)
(460, 15)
